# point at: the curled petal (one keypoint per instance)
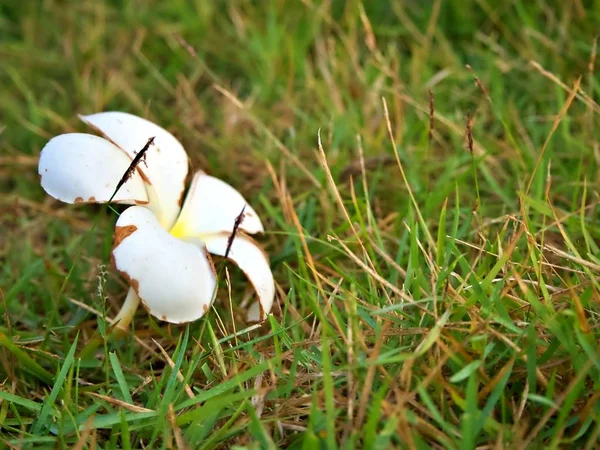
(212, 206)
(174, 279)
(83, 168)
(254, 263)
(165, 165)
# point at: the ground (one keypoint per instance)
(427, 173)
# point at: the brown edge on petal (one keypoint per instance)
(180, 201)
(107, 137)
(147, 308)
(99, 131)
(192, 187)
(132, 282)
(93, 199)
(210, 261)
(163, 317)
(143, 175)
(122, 233)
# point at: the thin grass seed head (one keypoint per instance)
(102, 274)
(160, 246)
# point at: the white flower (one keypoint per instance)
(160, 247)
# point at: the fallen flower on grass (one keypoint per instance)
(160, 247)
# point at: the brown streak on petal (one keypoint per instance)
(180, 202)
(133, 283)
(99, 131)
(204, 308)
(141, 202)
(210, 261)
(163, 317)
(146, 307)
(143, 175)
(105, 136)
(121, 233)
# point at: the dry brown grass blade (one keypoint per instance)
(369, 378)
(581, 95)
(179, 442)
(112, 322)
(287, 205)
(575, 259)
(422, 222)
(490, 385)
(340, 201)
(87, 430)
(456, 129)
(297, 162)
(365, 185)
(400, 293)
(579, 375)
(431, 375)
(288, 212)
(7, 359)
(307, 253)
(555, 124)
(45, 210)
(230, 304)
(584, 324)
(187, 388)
(327, 313)
(538, 372)
(19, 160)
(119, 403)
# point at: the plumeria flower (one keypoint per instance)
(160, 247)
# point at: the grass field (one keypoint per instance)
(436, 252)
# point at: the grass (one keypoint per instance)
(428, 176)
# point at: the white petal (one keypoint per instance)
(252, 260)
(212, 206)
(174, 279)
(166, 163)
(83, 168)
(253, 314)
